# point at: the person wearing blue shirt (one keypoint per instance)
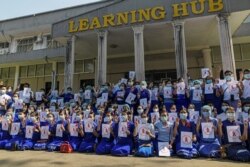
(68, 95)
(89, 140)
(208, 146)
(145, 145)
(4, 134)
(234, 140)
(165, 131)
(123, 145)
(75, 141)
(106, 143)
(183, 147)
(62, 123)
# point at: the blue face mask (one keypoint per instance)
(206, 114)
(183, 116)
(228, 78)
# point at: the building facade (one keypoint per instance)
(103, 41)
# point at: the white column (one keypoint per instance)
(102, 57)
(207, 59)
(180, 49)
(139, 53)
(69, 63)
(17, 73)
(226, 43)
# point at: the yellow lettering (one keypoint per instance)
(215, 5)
(72, 27)
(83, 24)
(144, 15)
(194, 6)
(108, 20)
(158, 13)
(133, 16)
(180, 9)
(95, 24)
(122, 18)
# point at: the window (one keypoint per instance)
(4, 45)
(5, 73)
(12, 72)
(23, 71)
(78, 66)
(31, 70)
(48, 69)
(40, 70)
(60, 67)
(52, 43)
(89, 65)
(25, 45)
(246, 51)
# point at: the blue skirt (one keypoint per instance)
(121, 150)
(209, 149)
(17, 141)
(238, 153)
(186, 152)
(54, 145)
(87, 147)
(104, 147)
(75, 143)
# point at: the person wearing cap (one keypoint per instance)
(231, 90)
(207, 134)
(234, 134)
(196, 96)
(245, 84)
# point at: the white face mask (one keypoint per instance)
(190, 110)
(231, 116)
(144, 120)
(156, 110)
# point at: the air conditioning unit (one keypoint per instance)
(4, 51)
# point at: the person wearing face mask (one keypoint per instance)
(234, 139)
(165, 131)
(88, 142)
(144, 95)
(67, 95)
(50, 123)
(123, 139)
(144, 147)
(185, 136)
(224, 107)
(139, 111)
(62, 125)
(207, 134)
(76, 125)
(231, 90)
(154, 96)
(181, 94)
(245, 85)
(209, 90)
(133, 90)
(167, 95)
(196, 95)
(5, 136)
(4, 100)
(88, 94)
(28, 143)
(105, 129)
(154, 116)
(120, 95)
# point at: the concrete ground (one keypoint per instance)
(54, 159)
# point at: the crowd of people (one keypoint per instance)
(202, 118)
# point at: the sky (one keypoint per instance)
(17, 8)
